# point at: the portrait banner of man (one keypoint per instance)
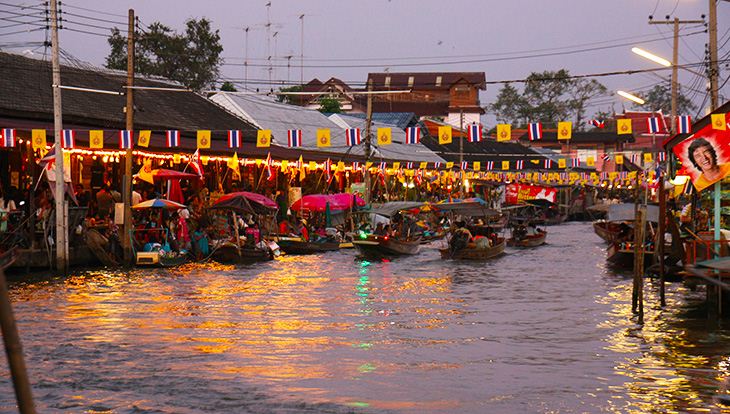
(705, 156)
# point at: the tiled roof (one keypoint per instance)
(27, 94)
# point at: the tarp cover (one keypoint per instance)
(389, 209)
(625, 212)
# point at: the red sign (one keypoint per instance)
(517, 193)
(705, 155)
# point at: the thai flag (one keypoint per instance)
(269, 164)
(437, 164)
(125, 139)
(520, 164)
(635, 158)
(652, 124)
(234, 138)
(684, 124)
(490, 165)
(68, 138)
(383, 165)
(355, 166)
(173, 138)
(8, 138)
(535, 131)
(409, 165)
(596, 123)
(606, 157)
(195, 163)
(575, 162)
(475, 132)
(353, 136)
(295, 137)
(662, 156)
(548, 163)
(464, 165)
(413, 135)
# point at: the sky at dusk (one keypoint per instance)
(348, 39)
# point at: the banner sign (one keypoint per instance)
(705, 155)
(517, 193)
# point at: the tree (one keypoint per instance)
(329, 105)
(509, 107)
(290, 99)
(228, 87)
(548, 97)
(660, 98)
(192, 58)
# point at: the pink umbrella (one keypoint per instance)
(235, 200)
(163, 174)
(318, 202)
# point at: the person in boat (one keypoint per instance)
(252, 232)
(284, 227)
(461, 237)
(303, 231)
(520, 232)
(182, 230)
(379, 230)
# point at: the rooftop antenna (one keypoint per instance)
(301, 53)
(268, 36)
(273, 67)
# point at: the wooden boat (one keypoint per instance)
(295, 245)
(229, 253)
(607, 230)
(160, 258)
(472, 252)
(374, 245)
(622, 254)
(432, 237)
(530, 240)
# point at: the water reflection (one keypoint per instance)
(543, 330)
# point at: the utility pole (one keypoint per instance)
(127, 185)
(461, 139)
(245, 60)
(714, 68)
(61, 227)
(368, 139)
(675, 64)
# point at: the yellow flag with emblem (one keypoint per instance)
(565, 130)
(449, 165)
(505, 165)
(619, 158)
(96, 139)
(203, 138)
(396, 165)
(145, 173)
(176, 158)
(384, 136)
(341, 166)
(444, 135)
(263, 138)
(590, 161)
(39, 139)
(561, 163)
(323, 137)
(476, 165)
(623, 126)
(144, 138)
(718, 122)
(423, 165)
(648, 158)
(504, 132)
(312, 165)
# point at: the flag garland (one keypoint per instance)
(68, 138)
(353, 136)
(413, 135)
(125, 139)
(234, 139)
(294, 137)
(535, 131)
(684, 124)
(8, 140)
(652, 125)
(475, 132)
(172, 138)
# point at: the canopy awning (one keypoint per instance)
(389, 209)
(625, 212)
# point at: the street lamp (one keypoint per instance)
(631, 97)
(651, 56)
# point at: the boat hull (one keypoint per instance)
(473, 253)
(608, 231)
(533, 240)
(229, 253)
(382, 246)
(297, 246)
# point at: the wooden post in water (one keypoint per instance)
(14, 351)
(660, 240)
(638, 291)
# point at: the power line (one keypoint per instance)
(95, 19)
(86, 32)
(380, 65)
(93, 11)
(22, 31)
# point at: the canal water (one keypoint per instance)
(534, 331)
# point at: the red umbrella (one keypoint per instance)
(163, 174)
(337, 202)
(246, 201)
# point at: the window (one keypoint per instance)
(387, 81)
(438, 81)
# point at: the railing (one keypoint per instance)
(701, 250)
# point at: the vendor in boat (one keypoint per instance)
(379, 230)
(252, 232)
(303, 231)
(285, 227)
(461, 237)
(520, 232)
